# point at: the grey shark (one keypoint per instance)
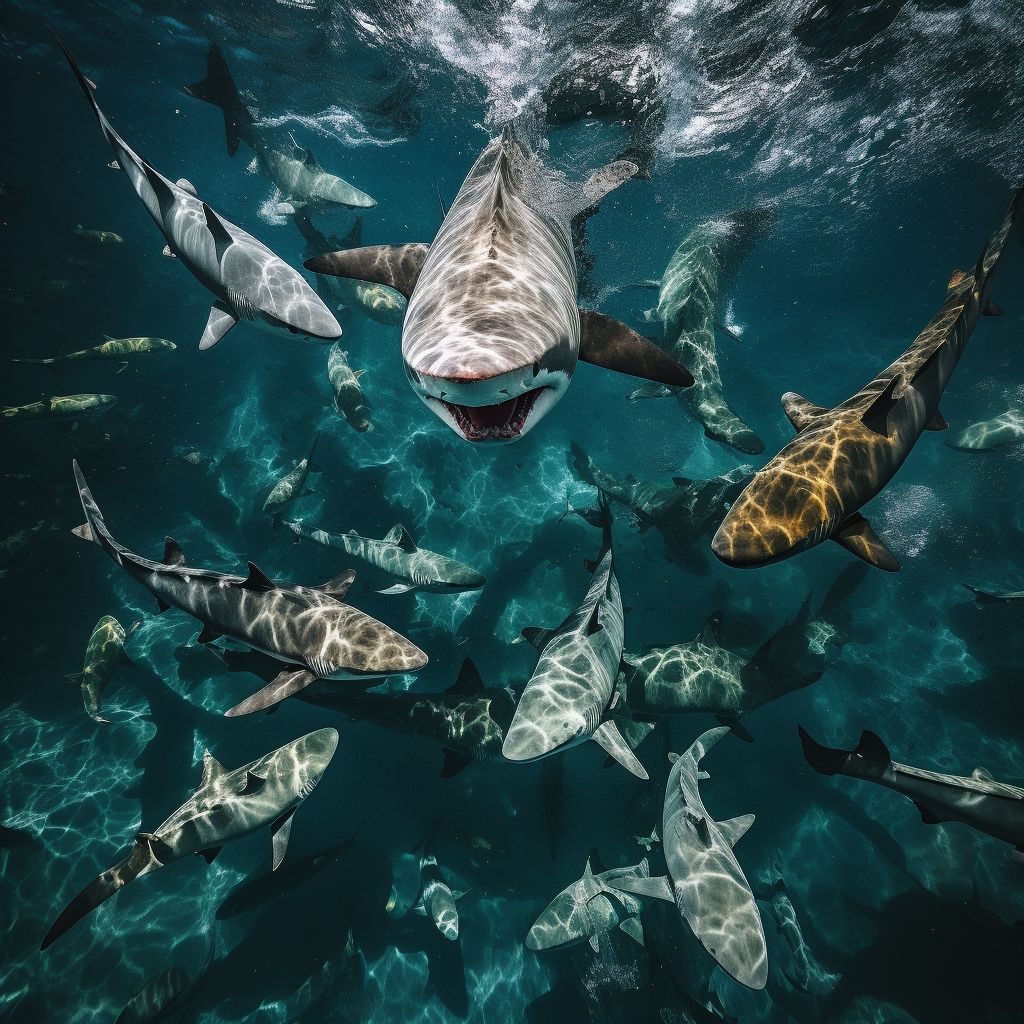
(348, 396)
(813, 490)
(688, 310)
(103, 656)
(569, 697)
(376, 302)
(591, 906)
(468, 720)
(493, 331)
(292, 485)
(399, 561)
(226, 806)
(705, 881)
(164, 996)
(57, 407)
(683, 514)
(420, 887)
(249, 281)
(303, 183)
(118, 349)
(987, 435)
(995, 808)
(990, 597)
(308, 627)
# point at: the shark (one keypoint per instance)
(348, 396)
(683, 514)
(228, 805)
(705, 880)
(58, 407)
(571, 694)
(590, 907)
(303, 183)
(991, 597)
(113, 348)
(493, 330)
(987, 435)
(841, 458)
(103, 656)
(292, 485)
(248, 281)
(376, 302)
(978, 801)
(468, 720)
(420, 887)
(164, 996)
(312, 629)
(398, 560)
(688, 312)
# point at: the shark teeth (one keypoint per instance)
(501, 422)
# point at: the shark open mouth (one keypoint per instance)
(500, 422)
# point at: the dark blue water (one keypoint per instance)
(886, 143)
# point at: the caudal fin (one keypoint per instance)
(94, 528)
(869, 761)
(218, 88)
(138, 862)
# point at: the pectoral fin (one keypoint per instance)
(221, 321)
(734, 829)
(602, 181)
(657, 888)
(280, 832)
(454, 762)
(609, 343)
(633, 928)
(166, 251)
(937, 422)
(284, 684)
(397, 266)
(859, 539)
(608, 737)
(595, 943)
(399, 588)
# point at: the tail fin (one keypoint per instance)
(218, 88)
(94, 528)
(37, 362)
(981, 596)
(353, 240)
(140, 861)
(316, 244)
(990, 255)
(869, 761)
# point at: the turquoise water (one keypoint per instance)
(886, 150)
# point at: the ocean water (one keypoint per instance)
(884, 138)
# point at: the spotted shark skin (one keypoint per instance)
(567, 699)
(406, 567)
(841, 458)
(348, 396)
(689, 301)
(468, 720)
(112, 348)
(683, 514)
(590, 907)
(292, 485)
(493, 331)
(104, 654)
(249, 281)
(987, 435)
(978, 801)
(226, 806)
(705, 881)
(303, 183)
(310, 627)
(58, 407)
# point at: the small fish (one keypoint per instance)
(292, 485)
(98, 237)
(112, 348)
(348, 398)
(102, 658)
(58, 407)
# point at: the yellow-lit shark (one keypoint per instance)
(813, 490)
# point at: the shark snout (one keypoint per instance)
(559, 925)
(527, 741)
(313, 753)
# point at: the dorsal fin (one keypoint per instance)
(709, 631)
(982, 773)
(400, 536)
(339, 586)
(257, 579)
(594, 861)
(212, 769)
(221, 236)
(799, 411)
(186, 186)
(876, 416)
(309, 160)
(538, 636)
(468, 682)
(173, 555)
